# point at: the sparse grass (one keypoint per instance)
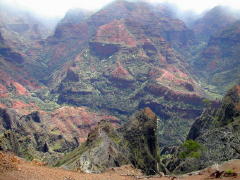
(71, 156)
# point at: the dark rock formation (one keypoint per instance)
(141, 134)
(8, 118)
(107, 147)
(103, 50)
(29, 137)
(217, 130)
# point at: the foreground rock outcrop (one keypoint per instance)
(141, 134)
(104, 148)
(135, 143)
(217, 132)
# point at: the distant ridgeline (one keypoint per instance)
(56, 87)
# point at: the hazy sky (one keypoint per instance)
(59, 7)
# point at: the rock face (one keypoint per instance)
(103, 149)
(27, 136)
(8, 54)
(217, 130)
(216, 61)
(141, 134)
(47, 135)
(106, 147)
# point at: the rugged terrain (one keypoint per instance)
(106, 147)
(120, 61)
(213, 138)
(128, 84)
(215, 58)
(113, 64)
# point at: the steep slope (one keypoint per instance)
(219, 63)
(15, 82)
(221, 135)
(141, 134)
(35, 126)
(121, 59)
(24, 33)
(27, 136)
(213, 21)
(60, 128)
(20, 33)
(69, 38)
(106, 147)
(47, 135)
(217, 132)
(72, 36)
(103, 149)
(21, 29)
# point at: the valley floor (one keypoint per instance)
(17, 169)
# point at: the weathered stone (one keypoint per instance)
(142, 139)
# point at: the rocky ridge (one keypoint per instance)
(217, 132)
(136, 143)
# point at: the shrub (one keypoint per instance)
(230, 171)
(190, 149)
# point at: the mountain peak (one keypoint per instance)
(75, 15)
(215, 20)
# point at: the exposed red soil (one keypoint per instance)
(23, 108)
(3, 91)
(174, 75)
(24, 79)
(8, 162)
(115, 32)
(77, 121)
(149, 113)
(20, 89)
(18, 169)
(67, 120)
(121, 73)
(173, 83)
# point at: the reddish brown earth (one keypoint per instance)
(3, 91)
(14, 168)
(76, 121)
(121, 73)
(115, 32)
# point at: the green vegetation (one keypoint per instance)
(191, 149)
(229, 171)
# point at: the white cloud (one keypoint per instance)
(59, 7)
